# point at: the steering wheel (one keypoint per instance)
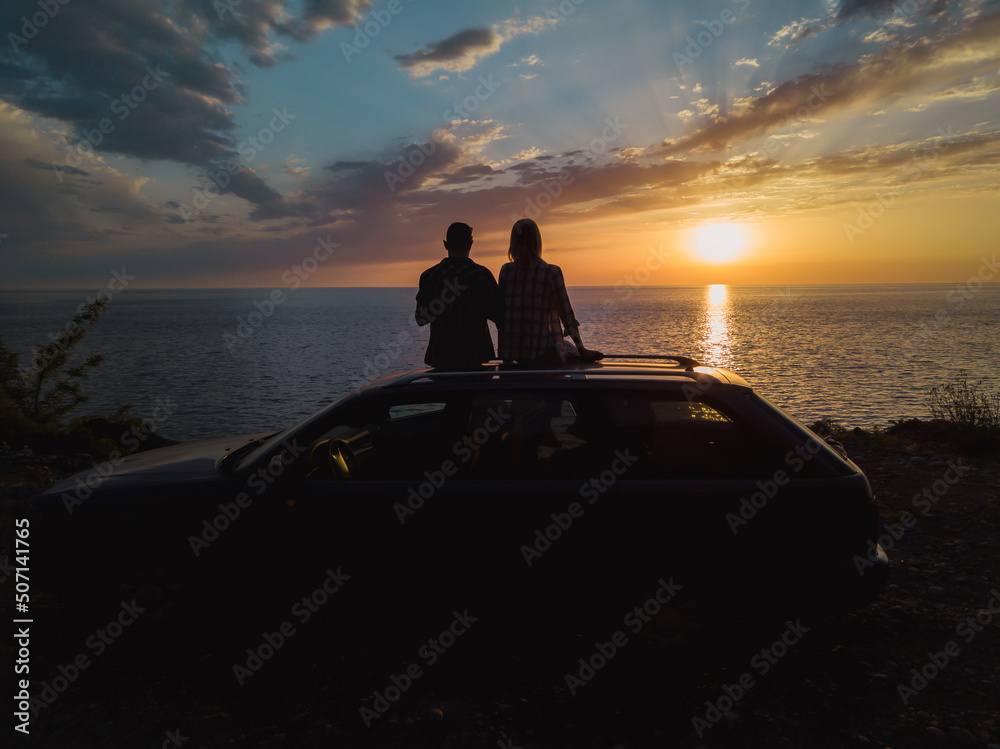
(343, 463)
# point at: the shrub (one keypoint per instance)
(50, 388)
(971, 406)
(35, 400)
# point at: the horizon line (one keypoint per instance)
(578, 286)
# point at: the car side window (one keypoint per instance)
(471, 437)
(406, 410)
(478, 437)
(390, 440)
(680, 438)
(541, 438)
(542, 435)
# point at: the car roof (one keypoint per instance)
(622, 368)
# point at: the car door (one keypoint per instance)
(513, 516)
(447, 494)
(357, 496)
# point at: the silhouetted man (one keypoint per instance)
(456, 298)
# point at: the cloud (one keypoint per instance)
(268, 202)
(298, 168)
(381, 221)
(706, 108)
(463, 50)
(60, 168)
(152, 72)
(858, 174)
(489, 196)
(907, 162)
(903, 13)
(796, 31)
(388, 209)
(380, 185)
(527, 153)
(851, 8)
(456, 53)
(320, 14)
(44, 203)
(909, 66)
(468, 174)
(386, 230)
(879, 36)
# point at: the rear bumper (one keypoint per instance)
(793, 588)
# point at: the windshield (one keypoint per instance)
(271, 443)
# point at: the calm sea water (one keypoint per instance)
(860, 354)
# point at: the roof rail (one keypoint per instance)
(514, 374)
(685, 361)
(688, 363)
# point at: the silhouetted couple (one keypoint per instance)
(530, 307)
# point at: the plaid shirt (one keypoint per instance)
(455, 298)
(534, 303)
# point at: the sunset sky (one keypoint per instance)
(739, 142)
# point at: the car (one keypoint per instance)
(562, 493)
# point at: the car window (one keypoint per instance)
(680, 438)
(541, 435)
(468, 436)
(389, 439)
(406, 410)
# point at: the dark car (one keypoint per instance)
(574, 491)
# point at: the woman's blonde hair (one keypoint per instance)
(525, 242)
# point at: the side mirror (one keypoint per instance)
(277, 465)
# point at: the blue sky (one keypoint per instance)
(622, 127)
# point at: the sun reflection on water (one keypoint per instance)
(716, 340)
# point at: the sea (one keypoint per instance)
(214, 362)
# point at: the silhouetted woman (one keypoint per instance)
(537, 314)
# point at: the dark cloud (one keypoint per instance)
(553, 183)
(328, 12)
(850, 8)
(146, 78)
(939, 7)
(458, 47)
(469, 174)
(369, 185)
(248, 185)
(62, 168)
(876, 8)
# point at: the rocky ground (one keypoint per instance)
(920, 668)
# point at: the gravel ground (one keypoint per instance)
(919, 668)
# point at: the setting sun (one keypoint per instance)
(719, 243)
